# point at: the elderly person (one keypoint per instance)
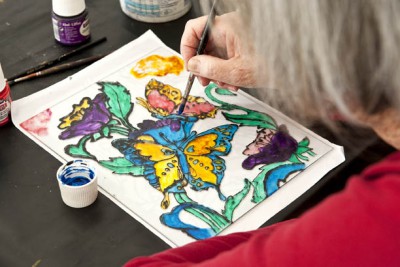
(312, 57)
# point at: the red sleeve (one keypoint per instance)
(357, 227)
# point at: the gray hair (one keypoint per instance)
(318, 54)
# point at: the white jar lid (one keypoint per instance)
(2, 80)
(68, 8)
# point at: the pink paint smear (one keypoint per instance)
(38, 124)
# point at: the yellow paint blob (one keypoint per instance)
(156, 65)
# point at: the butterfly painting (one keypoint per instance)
(174, 156)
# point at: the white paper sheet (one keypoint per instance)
(134, 194)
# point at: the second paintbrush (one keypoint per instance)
(58, 68)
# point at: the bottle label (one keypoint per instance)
(71, 31)
(5, 106)
(155, 10)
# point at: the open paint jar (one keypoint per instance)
(78, 183)
(155, 11)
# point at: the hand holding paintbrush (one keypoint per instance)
(200, 50)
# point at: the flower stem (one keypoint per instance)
(119, 130)
(128, 125)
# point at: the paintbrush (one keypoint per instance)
(58, 68)
(52, 62)
(200, 50)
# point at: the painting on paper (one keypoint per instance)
(189, 176)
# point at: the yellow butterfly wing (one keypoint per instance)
(203, 154)
(201, 170)
(166, 164)
(200, 161)
(203, 145)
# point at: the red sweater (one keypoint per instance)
(359, 226)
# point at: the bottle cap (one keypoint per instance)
(68, 8)
(2, 80)
(77, 180)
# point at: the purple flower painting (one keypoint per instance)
(88, 117)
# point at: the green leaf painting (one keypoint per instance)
(122, 166)
(79, 150)
(119, 100)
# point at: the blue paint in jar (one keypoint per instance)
(76, 173)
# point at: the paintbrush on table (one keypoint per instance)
(58, 68)
(52, 62)
(200, 50)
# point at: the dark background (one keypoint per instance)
(36, 227)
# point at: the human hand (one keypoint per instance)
(227, 59)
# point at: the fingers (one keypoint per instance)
(224, 61)
(204, 82)
(232, 73)
(227, 86)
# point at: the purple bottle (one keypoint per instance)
(70, 21)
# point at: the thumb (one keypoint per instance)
(210, 67)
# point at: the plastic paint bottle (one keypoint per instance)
(5, 100)
(155, 11)
(70, 21)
